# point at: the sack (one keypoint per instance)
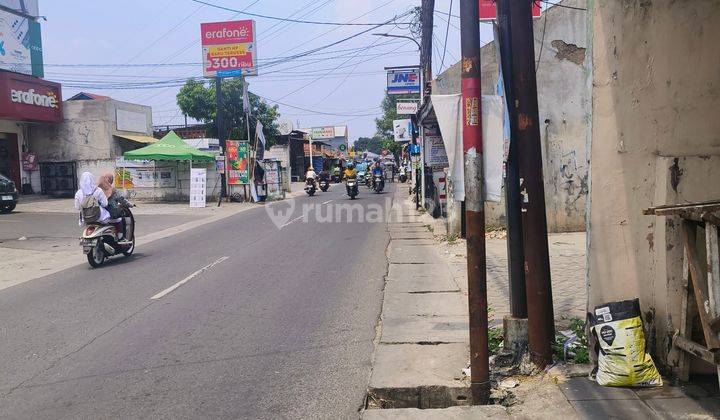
(90, 209)
(622, 360)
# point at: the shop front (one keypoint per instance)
(24, 101)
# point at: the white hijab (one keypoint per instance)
(87, 183)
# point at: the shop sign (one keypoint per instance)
(407, 108)
(403, 81)
(229, 48)
(27, 98)
(402, 129)
(29, 162)
(436, 154)
(322, 133)
(488, 9)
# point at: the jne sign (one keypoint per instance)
(403, 81)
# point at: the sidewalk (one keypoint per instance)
(422, 346)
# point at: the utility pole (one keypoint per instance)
(474, 201)
(516, 255)
(541, 328)
(427, 14)
(220, 131)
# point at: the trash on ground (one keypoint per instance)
(508, 383)
(622, 360)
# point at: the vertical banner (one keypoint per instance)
(198, 187)
(238, 167)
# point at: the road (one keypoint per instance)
(248, 322)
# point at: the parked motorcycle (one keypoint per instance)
(324, 185)
(378, 183)
(101, 241)
(310, 187)
(352, 187)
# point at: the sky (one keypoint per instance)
(108, 42)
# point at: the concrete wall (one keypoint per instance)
(655, 140)
(564, 105)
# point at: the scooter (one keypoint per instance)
(310, 187)
(324, 185)
(378, 184)
(101, 241)
(402, 177)
(352, 187)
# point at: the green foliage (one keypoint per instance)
(578, 351)
(371, 144)
(196, 99)
(495, 339)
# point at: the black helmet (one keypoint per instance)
(351, 166)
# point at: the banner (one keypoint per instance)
(198, 187)
(436, 156)
(402, 129)
(238, 168)
(131, 174)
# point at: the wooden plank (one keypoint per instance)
(689, 234)
(668, 207)
(713, 275)
(696, 349)
(684, 327)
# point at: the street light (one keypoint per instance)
(401, 36)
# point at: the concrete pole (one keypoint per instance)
(221, 132)
(474, 202)
(541, 328)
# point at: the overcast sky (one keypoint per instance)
(88, 35)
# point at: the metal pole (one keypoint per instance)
(541, 328)
(474, 205)
(427, 18)
(220, 130)
(516, 255)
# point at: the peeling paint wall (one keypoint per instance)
(655, 140)
(564, 108)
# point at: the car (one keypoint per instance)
(8, 195)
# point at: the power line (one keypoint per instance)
(447, 32)
(309, 22)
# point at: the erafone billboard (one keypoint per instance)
(20, 44)
(229, 48)
(403, 81)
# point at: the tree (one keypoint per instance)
(196, 99)
(371, 144)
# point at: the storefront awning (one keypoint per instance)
(138, 138)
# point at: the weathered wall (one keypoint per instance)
(656, 97)
(564, 109)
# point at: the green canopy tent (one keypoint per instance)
(172, 148)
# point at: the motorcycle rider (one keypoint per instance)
(91, 201)
(116, 202)
(378, 171)
(350, 171)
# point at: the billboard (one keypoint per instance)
(403, 81)
(488, 11)
(402, 130)
(20, 44)
(27, 7)
(229, 48)
(322, 133)
(238, 167)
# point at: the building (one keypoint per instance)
(655, 141)
(563, 83)
(335, 137)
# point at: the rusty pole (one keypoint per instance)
(541, 328)
(474, 204)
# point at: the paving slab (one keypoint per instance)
(412, 365)
(404, 234)
(400, 252)
(686, 408)
(397, 305)
(406, 283)
(444, 329)
(580, 389)
(613, 409)
(452, 413)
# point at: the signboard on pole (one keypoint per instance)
(20, 43)
(238, 167)
(402, 129)
(322, 132)
(229, 48)
(435, 148)
(403, 81)
(198, 187)
(406, 108)
(488, 9)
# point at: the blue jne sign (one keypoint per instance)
(403, 81)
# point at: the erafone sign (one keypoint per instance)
(30, 97)
(403, 81)
(27, 98)
(229, 48)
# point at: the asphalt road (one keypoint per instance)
(280, 324)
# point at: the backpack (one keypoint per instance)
(90, 209)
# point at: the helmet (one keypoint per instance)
(310, 168)
(351, 166)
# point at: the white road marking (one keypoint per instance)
(292, 221)
(188, 278)
(326, 202)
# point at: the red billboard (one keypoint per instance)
(229, 48)
(488, 9)
(27, 98)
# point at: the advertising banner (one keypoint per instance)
(131, 174)
(229, 48)
(406, 108)
(238, 166)
(488, 9)
(403, 81)
(26, 98)
(20, 44)
(402, 130)
(322, 133)
(436, 156)
(198, 187)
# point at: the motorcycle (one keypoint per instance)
(378, 183)
(100, 241)
(402, 177)
(352, 187)
(324, 185)
(310, 187)
(336, 179)
(361, 177)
